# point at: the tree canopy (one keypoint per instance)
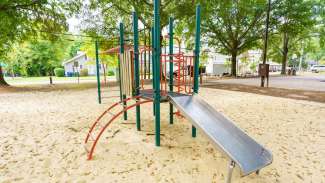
(233, 27)
(297, 28)
(23, 19)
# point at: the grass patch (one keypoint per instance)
(46, 80)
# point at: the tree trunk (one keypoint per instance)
(2, 79)
(104, 70)
(234, 63)
(285, 53)
(50, 76)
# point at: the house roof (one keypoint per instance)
(116, 50)
(74, 58)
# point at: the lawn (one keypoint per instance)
(45, 80)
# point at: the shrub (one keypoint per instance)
(253, 67)
(84, 72)
(59, 72)
(110, 73)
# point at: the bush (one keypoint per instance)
(83, 72)
(110, 73)
(59, 72)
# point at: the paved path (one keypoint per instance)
(307, 82)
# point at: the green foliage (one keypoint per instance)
(36, 58)
(109, 10)
(322, 61)
(292, 22)
(75, 47)
(59, 72)
(204, 58)
(110, 73)
(23, 19)
(293, 16)
(89, 48)
(253, 66)
(84, 72)
(233, 27)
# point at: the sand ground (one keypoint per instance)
(42, 134)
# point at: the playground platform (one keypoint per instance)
(149, 94)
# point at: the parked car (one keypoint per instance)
(318, 68)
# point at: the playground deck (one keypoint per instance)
(148, 94)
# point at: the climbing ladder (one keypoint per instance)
(99, 126)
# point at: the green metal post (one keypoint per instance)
(197, 56)
(136, 66)
(157, 69)
(98, 73)
(171, 67)
(121, 52)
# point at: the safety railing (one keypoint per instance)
(183, 71)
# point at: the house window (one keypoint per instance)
(80, 66)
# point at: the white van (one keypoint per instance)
(318, 68)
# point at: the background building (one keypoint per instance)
(80, 61)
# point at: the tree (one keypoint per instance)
(24, 18)
(37, 57)
(293, 22)
(107, 61)
(314, 49)
(233, 27)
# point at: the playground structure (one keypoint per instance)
(175, 79)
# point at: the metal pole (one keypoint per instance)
(197, 56)
(157, 70)
(171, 67)
(136, 67)
(98, 73)
(266, 39)
(121, 53)
(232, 165)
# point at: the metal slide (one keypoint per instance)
(242, 150)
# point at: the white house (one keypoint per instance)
(80, 61)
(216, 63)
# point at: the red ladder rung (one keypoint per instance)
(90, 154)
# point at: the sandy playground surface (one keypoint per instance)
(42, 134)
